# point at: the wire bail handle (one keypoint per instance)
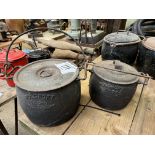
(42, 28)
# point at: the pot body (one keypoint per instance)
(3, 36)
(19, 62)
(38, 55)
(110, 95)
(146, 61)
(50, 108)
(126, 53)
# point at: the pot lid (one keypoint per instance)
(149, 43)
(45, 75)
(115, 76)
(39, 53)
(14, 54)
(121, 37)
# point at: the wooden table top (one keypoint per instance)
(132, 119)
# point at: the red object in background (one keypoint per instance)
(16, 58)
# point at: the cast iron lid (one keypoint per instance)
(122, 37)
(114, 76)
(14, 54)
(149, 43)
(45, 75)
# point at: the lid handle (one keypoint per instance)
(117, 65)
(143, 37)
(127, 31)
(45, 73)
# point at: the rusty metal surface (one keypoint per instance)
(44, 75)
(114, 76)
(122, 38)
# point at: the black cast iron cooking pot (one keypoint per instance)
(146, 56)
(121, 46)
(48, 91)
(110, 89)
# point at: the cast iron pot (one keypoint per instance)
(38, 54)
(48, 91)
(110, 89)
(121, 46)
(146, 56)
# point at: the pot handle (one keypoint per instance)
(3, 71)
(145, 81)
(6, 74)
(85, 72)
(124, 31)
(117, 65)
(143, 37)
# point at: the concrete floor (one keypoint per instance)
(7, 117)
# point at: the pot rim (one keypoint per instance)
(122, 44)
(116, 71)
(118, 83)
(12, 61)
(25, 87)
(22, 55)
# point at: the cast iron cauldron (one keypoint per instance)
(146, 56)
(111, 89)
(121, 46)
(48, 91)
(38, 54)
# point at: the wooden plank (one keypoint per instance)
(144, 121)
(2, 83)
(93, 121)
(90, 122)
(55, 36)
